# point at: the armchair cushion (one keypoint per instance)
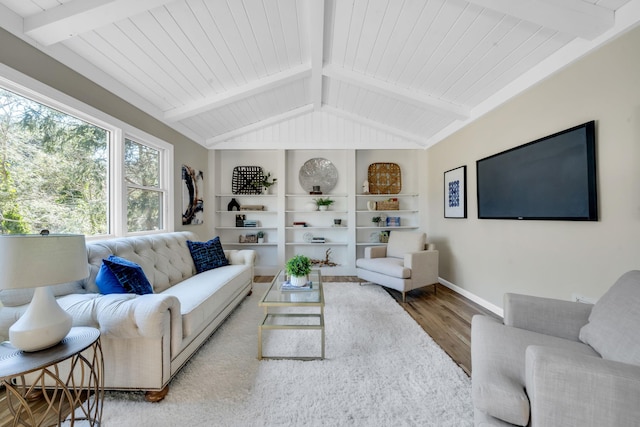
(393, 267)
(404, 242)
(499, 375)
(615, 321)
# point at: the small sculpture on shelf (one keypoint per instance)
(326, 262)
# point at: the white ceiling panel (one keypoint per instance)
(414, 69)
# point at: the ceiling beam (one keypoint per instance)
(375, 125)
(316, 34)
(211, 142)
(575, 17)
(397, 92)
(79, 16)
(254, 88)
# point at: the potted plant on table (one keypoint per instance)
(323, 203)
(298, 268)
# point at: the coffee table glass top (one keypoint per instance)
(275, 296)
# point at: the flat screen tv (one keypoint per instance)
(552, 178)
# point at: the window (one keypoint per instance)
(65, 171)
(144, 196)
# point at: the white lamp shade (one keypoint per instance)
(32, 260)
(28, 261)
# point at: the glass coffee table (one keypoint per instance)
(282, 311)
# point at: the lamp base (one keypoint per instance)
(43, 325)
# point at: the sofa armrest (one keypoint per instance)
(375, 251)
(423, 265)
(128, 316)
(569, 388)
(547, 316)
(244, 256)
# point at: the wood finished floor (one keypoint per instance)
(444, 314)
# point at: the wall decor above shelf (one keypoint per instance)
(384, 178)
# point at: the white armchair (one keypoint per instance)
(406, 263)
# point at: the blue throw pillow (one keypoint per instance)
(207, 255)
(107, 282)
(129, 274)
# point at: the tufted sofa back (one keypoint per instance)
(165, 259)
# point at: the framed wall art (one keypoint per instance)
(192, 196)
(455, 193)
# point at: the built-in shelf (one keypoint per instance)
(288, 202)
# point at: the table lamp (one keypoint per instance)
(40, 261)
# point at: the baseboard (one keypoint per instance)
(473, 297)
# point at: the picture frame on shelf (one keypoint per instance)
(455, 193)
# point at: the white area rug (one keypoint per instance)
(381, 369)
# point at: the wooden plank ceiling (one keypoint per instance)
(217, 69)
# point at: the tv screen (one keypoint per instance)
(553, 178)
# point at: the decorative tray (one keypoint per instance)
(243, 179)
(384, 178)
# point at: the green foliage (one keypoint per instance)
(260, 234)
(264, 182)
(298, 265)
(53, 170)
(323, 202)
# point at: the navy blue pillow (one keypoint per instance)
(129, 274)
(107, 282)
(207, 255)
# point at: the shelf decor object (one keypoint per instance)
(244, 178)
(40, 261)
(384, 178)
(318, 172)
(455, 193)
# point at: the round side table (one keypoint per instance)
(69, 374)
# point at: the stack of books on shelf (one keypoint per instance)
(250, 223)
(299, 224)
(252, 207)
(318, 240)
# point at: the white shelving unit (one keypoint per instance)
(288, 203)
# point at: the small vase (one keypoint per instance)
(298, 280)
(323, 207)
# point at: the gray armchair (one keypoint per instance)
(406, 263)
(560, 363)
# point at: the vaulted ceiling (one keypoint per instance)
(219, 69)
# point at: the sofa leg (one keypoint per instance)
(154, 396)
(404, 297)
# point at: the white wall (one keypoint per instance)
(549, 258)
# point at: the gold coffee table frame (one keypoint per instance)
(276, 297)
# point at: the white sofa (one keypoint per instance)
(146, 339)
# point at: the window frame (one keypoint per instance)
(119, 130)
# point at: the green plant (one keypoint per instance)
(298, 265)
(376, 219)
(323, 202)
(260, 234)
(264, 182)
